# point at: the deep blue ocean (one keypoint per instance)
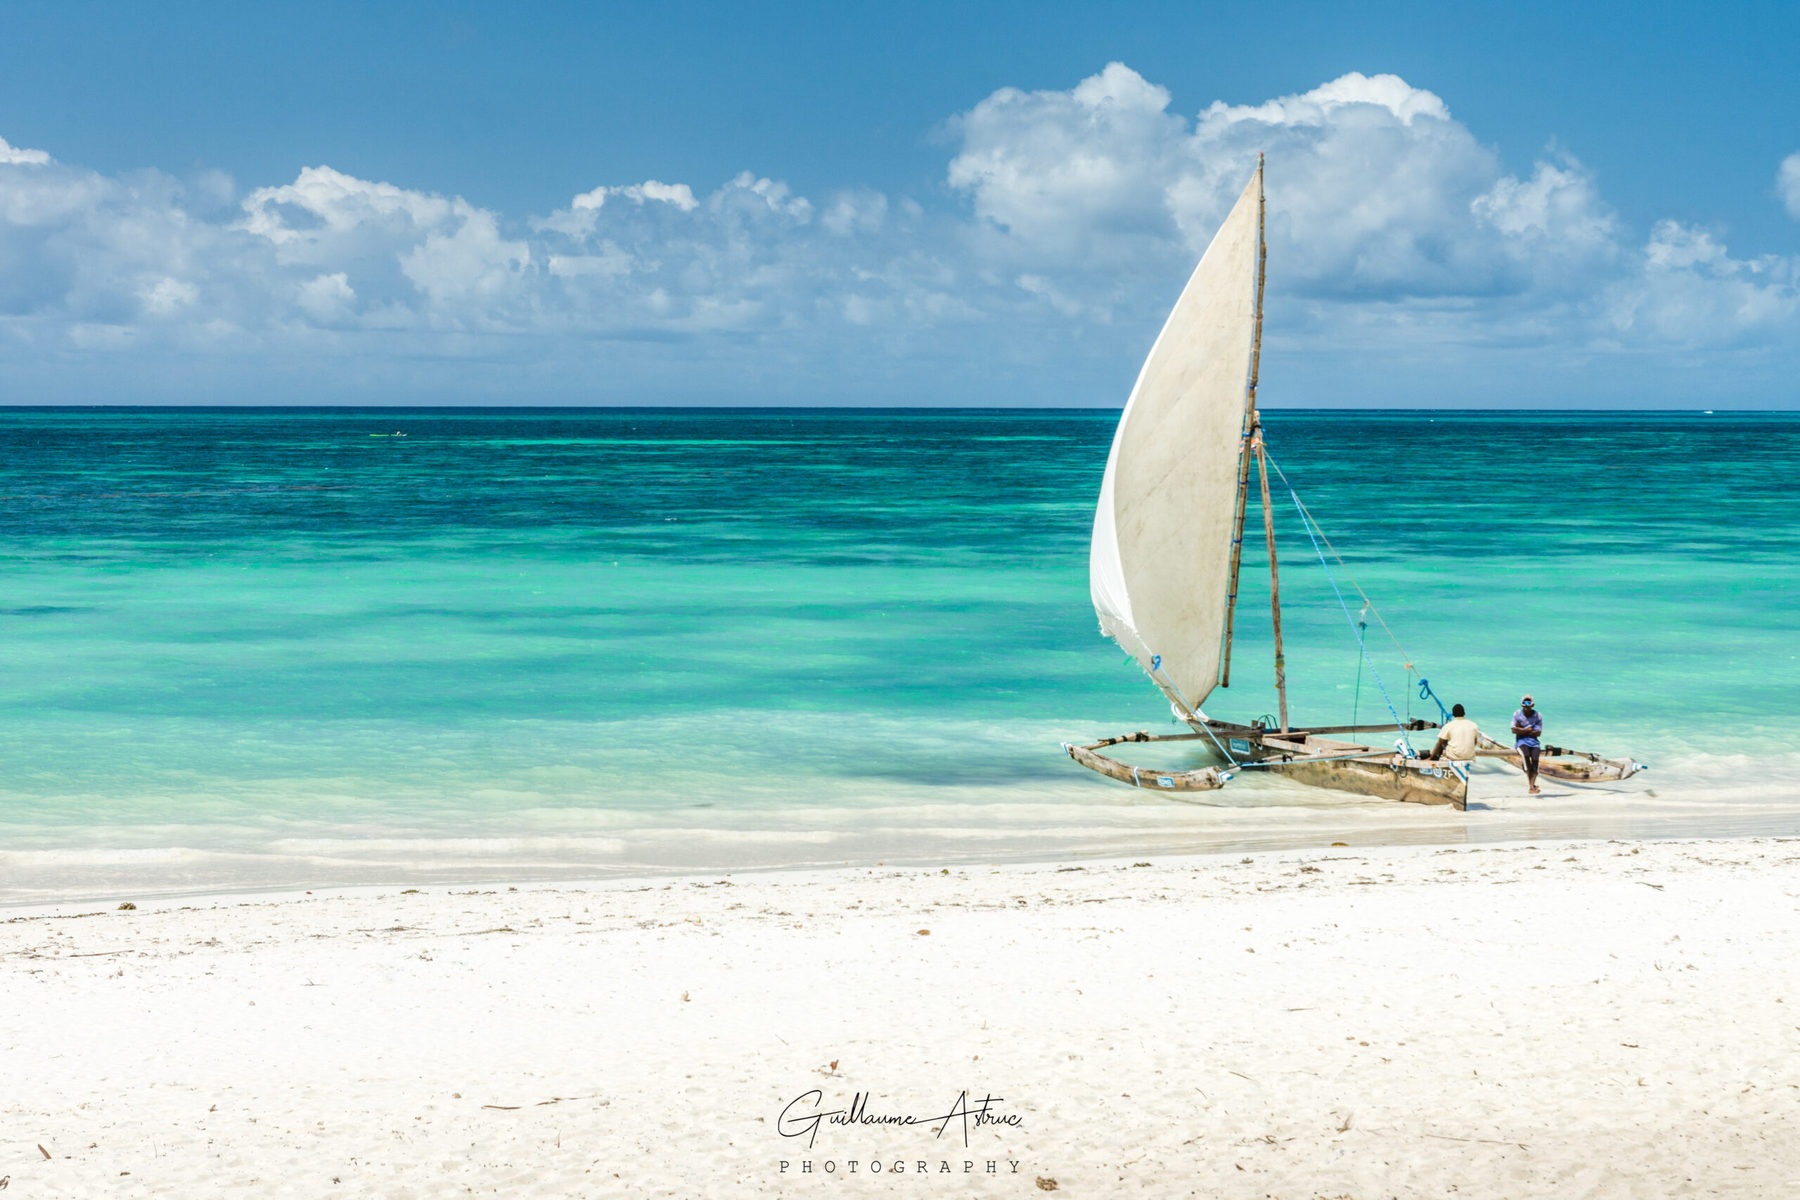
(247, 646)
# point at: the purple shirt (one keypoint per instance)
(1534, 721)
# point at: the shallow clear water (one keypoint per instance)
(263, 646)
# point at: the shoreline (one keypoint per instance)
(635, 880)
(208, 896)
(951, 835)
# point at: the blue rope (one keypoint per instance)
(1221, 749)
(1307, 523)
(1425, 693)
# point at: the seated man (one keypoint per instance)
(1456, 740)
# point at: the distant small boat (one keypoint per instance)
(1168, 542)
(387, 435)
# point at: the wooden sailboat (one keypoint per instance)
(1168, 542)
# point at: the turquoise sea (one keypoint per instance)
(252, 647)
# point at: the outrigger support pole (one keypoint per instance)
(1237, 555)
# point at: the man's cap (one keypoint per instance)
(1524, 699)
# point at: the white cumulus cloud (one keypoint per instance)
(473, 265)
(322, 204)
(1689, 292)
(327, 299)
(580, 216)
(18, 155)
(1374, 190)
(1039, 274)
(1787, 182)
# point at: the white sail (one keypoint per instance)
(1159, 568)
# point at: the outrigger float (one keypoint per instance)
(1168, 543)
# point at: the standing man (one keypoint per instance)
(1457, 739)
(1527, 726)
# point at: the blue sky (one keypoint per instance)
(1557, 205)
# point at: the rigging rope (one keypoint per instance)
(1314, 525)
(1307, 521)
(1155, 670)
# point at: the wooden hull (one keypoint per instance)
(1301, 757)
(1575, 766)
(1578, 770)
(1363, 770)
(1392, 778)
(1308, 756)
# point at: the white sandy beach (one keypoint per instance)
(1573, 1019)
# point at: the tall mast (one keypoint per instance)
(1262, 470)
(1250, 435)
(1254, 441)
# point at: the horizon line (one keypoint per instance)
(871, 408)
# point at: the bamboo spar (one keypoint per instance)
(1251, 433)
(1262, 471)
(1237, 555)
